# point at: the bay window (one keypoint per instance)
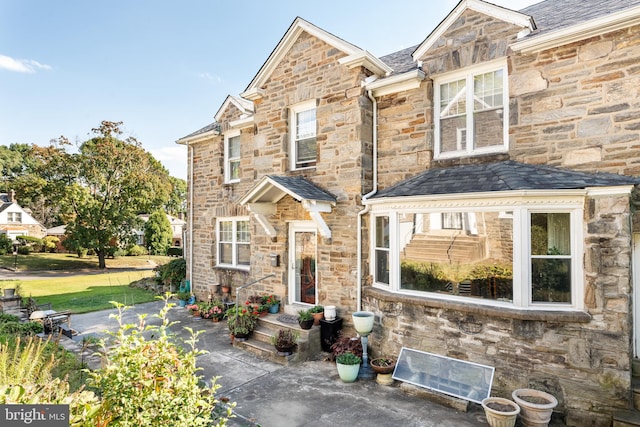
(234, 242)
(516, 254)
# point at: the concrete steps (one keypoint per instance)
(259, 343)
(631, 417)
(444, 248)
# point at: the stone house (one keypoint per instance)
(477, 192)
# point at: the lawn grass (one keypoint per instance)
(63, 261)
(86, 292)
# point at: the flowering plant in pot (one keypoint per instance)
(193, 309)
(241, 321)
(273, 302)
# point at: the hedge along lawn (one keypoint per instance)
(86, 292)
(63, 261)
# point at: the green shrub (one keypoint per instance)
(51, 243)
(6, 245)
(34, 243)
(22, 329)
(348, 359)
(24, 250)
(154, 382)
(6, 317)
(26, 377)
(422, 276)
(136, 250)
(172, 273)
(173, 251)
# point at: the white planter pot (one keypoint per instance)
(536, 406)
(348, 373)
(329, 312)
(500, 418)
(363, 322)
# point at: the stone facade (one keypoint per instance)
(573, 106)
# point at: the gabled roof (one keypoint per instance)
(567, 21)
(355, 55)
(501, 176)
(245, 107)
(272, 188)
(479, 6)
(209, 130)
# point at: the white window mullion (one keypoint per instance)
(470, 114)
(521, 264)
(394, 256)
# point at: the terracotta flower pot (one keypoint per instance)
(317, 317)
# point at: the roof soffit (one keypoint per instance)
(245, 107)
(497, 12)
(299, 26)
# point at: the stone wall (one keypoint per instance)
(581, 359)
(577, 106)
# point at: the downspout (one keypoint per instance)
(374, 108)
(190, 152)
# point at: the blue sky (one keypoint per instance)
(164, 68)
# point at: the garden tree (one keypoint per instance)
(178, 197)
(101, 188)
(158, 233)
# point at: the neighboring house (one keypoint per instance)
(477, 192)
(16, 221)
(177, 228)
(60, 233)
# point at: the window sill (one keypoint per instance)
(484, 310)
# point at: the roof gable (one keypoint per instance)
(497, 12)
(355, 55)
(244, 107)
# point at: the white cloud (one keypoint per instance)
(209, 77)
(21, 65)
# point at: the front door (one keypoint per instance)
(302, 262)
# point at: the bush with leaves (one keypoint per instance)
(154, 382)
(172, 273)
(25, 378)
(6, 244)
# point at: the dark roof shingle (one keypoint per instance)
(501, 176)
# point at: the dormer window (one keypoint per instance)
(232, 157)
(303, 135)
(471, 110)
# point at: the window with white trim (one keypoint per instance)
(519, 255)
(14, 217)
(471, 110)
(232, 157)
(234, 242)
(303, 125)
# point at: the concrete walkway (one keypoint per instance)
(272, 395)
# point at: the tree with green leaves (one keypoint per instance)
(178, 198)
(101, 188)
(158, 233)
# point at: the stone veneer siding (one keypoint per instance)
(581, 358)
(309, 70)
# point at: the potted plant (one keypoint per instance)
(317, 311)
(241, 322)
(383, 366)
(500, 412)
(536, 406)
(348, 365)
(284, 341)
(183, 296)
(272, 302)
(194, 309)
(305, 319)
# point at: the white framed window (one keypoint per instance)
(471, 111)
(14, 217)
(303, 132)
(234, 242)
(232, 157)
(518, 255)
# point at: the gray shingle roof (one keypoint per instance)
(551, 15)
(401, 61)
(501, 176)
(303, 188)
(207, 128)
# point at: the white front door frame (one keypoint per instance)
(294, 266)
